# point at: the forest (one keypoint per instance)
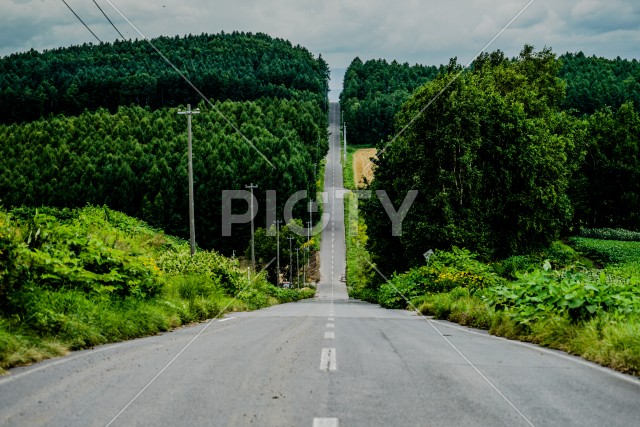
(503, 168)
(375, 90)
(226, 66)
(372, 94)
(98, 125)
(135, 161)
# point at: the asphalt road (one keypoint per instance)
(323, 362)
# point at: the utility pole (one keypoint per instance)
(290, 261)
(308, 243)
(344, 125)
(278, 222)
(253, 248)
(192, 221)
(298, 267)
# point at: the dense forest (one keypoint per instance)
(236, 66)
(373, 93)
(375, 90)
(502, 167)
(135, 161)
(594, 82)
(98, 124)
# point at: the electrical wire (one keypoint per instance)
(80, 19)
(110, 22)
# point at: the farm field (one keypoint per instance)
(362, 167)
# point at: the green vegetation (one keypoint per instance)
(606, 188)
(373, 92)
(589, 312)
(236, 66)
(135, 161)
(593, 82)
(361, 278)
(512, 155)
(492, 162)
(73, 279)
(608, 251)
(445, 272)
(611, 234)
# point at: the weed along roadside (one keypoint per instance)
(555, 299)
(580, 296)
(510, 169)
(73, 279)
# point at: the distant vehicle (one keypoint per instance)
(286, 285)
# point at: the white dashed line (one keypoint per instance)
(328, 359)
(325, 422)
(331, 325)
(331, 319)
(329, 335)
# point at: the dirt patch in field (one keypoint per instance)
(362, 166)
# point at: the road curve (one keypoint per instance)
(324, 362)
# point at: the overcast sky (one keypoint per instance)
(426, 32)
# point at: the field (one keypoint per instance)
(362, 166)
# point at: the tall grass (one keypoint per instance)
(76, 283)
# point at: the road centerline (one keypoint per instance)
(328, 359)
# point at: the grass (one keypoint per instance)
(359, 271)
(607, 339)
(542, 305)
(99, 276)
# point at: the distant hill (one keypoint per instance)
(236, 66)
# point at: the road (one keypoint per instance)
(324, 362)
(332, 245)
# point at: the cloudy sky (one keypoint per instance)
(417, 31)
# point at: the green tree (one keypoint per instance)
(606, 189)
(491, 158)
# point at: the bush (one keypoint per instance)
(99, 276)
(559, 255)
(545, 293)
(446, 271)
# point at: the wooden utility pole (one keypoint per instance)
(192, 221)
(290, 261)
(253, 248)
(298, 266)
(344, 125)
(278, 222)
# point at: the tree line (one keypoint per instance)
(227, 66)
(375, 90)
(135, 161)
(501, 166)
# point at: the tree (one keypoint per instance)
(491, 159)
(606, 190)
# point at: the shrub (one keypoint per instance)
(559, 255)
(446, 271)
(546, 293)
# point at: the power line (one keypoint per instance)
(112, 24)
(80, 19)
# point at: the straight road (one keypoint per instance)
(324, 362)
(332, 246)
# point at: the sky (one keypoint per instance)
(425, 32)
